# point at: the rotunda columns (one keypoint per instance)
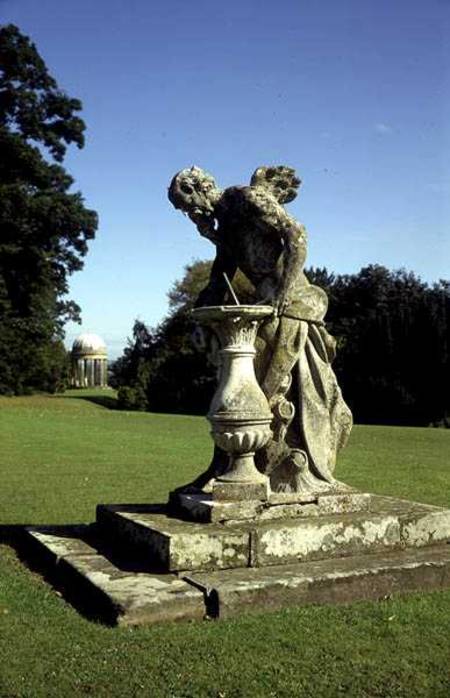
(89, 362)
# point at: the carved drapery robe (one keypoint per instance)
(311, 420)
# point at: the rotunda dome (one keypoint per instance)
(89, 361)
(87, 343)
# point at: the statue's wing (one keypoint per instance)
(280, 181)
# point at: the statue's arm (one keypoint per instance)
(214, 293)
(294, 238)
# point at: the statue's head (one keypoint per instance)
(195, 192)
(281, 181)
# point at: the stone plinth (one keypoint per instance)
(176, 545)
(206, 509)
(138, 565)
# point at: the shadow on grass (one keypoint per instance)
(69, 556)
(108, 401)
(56, 562)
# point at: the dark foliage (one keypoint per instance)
(44, 228)
(393, 334)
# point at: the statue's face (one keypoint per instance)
(194, 191)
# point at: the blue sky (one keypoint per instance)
(354, 94)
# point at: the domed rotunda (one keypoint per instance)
(89, 362)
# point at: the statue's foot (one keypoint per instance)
(289, 474)
(340, 487)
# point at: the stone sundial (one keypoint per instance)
(266, 524)
(309, 420)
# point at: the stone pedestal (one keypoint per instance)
(240, 415)
(140, 564)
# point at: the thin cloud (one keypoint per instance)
(383, 129)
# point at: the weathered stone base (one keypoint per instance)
(234, 592)
(177, 545)
(223, 491)
(138, 564)
(205, 509)
(115, 593)
(107, 588)
(171, 544)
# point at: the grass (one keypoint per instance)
(62, 455)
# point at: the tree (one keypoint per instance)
(151, 373)
(184, 293)
(44, 228)
(393, 333)
(130, 373)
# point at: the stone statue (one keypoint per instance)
(253, 232)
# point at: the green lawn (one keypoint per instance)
(60, 456)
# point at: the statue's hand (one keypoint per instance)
(266, 292)
(205, 223)
(277, 303)
(280, 304)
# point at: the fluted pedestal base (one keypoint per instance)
(207, 508)
(227, 491)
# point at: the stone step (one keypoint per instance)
(173, 544)
(343, 580)
(185, 545)
(114, 591)
(117, 591)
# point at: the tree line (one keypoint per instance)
(393, 342)
(44, 226)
